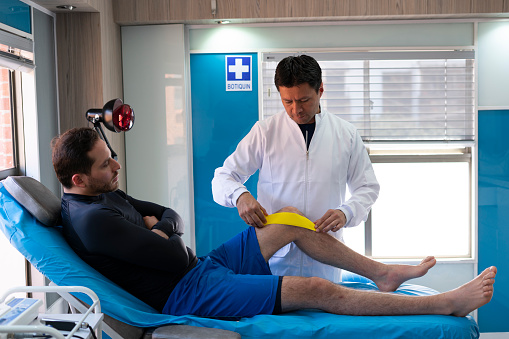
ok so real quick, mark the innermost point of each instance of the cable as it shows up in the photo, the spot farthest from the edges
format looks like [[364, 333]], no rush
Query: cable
[[92, 331], [68, 325]]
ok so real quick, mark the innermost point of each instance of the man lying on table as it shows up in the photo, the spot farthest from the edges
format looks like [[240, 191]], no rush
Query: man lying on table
[[138, 245]]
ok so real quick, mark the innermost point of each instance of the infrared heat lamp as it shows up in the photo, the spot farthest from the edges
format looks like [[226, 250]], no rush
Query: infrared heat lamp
[[115, 115]]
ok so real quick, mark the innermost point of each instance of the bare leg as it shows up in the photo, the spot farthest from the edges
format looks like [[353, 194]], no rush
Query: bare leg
[[301, 293], [328, 250]]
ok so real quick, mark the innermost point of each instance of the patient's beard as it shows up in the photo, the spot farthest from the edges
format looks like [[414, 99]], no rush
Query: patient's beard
[[99, 186]]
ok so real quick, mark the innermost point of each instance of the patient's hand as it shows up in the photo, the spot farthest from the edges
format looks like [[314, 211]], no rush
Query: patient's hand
[[150, 221], [291, 209]]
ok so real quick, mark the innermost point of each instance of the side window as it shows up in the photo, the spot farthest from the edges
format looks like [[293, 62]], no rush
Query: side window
[[16, 57], [12, 265], [8, 158], [424, 205]]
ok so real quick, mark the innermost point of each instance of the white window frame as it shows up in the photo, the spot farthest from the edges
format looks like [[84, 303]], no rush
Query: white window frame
[[17, 55], [432, 154], [18, 169], [17, 133], [20, 60]]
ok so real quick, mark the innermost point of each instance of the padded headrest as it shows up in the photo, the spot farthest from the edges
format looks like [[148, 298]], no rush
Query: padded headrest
[[36, 198]]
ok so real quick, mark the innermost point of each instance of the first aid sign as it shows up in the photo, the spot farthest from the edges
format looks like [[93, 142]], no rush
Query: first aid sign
[[238, 73]]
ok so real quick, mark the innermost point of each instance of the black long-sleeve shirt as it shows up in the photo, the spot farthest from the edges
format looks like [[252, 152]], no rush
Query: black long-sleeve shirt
[[108, 232]]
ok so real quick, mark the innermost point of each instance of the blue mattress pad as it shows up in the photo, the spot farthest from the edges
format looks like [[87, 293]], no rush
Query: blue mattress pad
[[46, 249]]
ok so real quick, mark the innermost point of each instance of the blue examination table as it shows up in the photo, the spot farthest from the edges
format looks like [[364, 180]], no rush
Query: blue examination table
[[47, 250]]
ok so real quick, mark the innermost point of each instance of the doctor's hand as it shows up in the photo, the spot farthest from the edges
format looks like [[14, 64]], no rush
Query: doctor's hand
[[332, 220], [250, 210]]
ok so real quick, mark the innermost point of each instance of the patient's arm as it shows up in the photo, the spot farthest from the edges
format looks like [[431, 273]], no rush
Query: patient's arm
[[106, 232], [169, 221]]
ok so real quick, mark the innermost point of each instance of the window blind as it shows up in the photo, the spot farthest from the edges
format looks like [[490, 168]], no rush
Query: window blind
[[16, 53], [392, 96]]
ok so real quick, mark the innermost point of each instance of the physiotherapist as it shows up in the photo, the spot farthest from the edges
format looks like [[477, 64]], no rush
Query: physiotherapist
[[307, 157]]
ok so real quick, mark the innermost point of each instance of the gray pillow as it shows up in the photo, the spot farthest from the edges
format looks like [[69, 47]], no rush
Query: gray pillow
[[36, 198]]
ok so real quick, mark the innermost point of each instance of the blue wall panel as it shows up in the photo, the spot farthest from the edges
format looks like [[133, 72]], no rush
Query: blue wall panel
[[220, 119], [16, 14], [494, 214]]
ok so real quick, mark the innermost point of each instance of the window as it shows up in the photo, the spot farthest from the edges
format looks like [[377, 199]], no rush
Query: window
[[7, 151], [12, 264], [415, 113], [423, 207], [16, 57]]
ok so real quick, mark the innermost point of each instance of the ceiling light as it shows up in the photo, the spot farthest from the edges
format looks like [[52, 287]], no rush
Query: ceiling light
[[223, 22], [67, 7]]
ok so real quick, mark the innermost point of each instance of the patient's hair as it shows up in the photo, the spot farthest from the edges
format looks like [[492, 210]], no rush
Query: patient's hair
[[296, 70], [70, 153]]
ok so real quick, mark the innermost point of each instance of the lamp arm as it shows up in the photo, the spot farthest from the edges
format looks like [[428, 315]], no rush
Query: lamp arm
[[98, 128]]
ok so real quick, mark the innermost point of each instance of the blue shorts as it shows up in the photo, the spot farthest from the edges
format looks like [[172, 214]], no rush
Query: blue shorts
[[232, 281]]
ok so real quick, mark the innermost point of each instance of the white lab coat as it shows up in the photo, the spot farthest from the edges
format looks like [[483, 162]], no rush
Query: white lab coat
[[313, 181]]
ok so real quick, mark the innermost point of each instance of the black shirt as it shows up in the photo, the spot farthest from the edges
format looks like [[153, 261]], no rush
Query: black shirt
[[307, 131], [108, 232]]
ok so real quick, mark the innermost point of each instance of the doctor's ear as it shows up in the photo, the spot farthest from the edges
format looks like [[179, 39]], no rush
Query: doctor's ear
[[78, 180]]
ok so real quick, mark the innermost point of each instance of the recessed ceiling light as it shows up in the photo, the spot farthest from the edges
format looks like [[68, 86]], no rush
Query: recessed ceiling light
[[67, 7]]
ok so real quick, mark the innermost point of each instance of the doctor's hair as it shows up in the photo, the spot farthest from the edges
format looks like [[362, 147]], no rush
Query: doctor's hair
[[296, 70], [69, 153]]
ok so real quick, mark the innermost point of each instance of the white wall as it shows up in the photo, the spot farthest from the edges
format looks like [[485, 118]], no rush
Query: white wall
[[251, 38], [46, 84], [493, 64], [157, 149]]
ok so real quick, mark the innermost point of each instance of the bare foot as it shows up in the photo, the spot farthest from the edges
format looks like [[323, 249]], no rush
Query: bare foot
[[397, 274], [474, 294]]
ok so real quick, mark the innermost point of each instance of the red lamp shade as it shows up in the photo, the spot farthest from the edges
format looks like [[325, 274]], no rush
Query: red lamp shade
[[115, 115], [123, 118]]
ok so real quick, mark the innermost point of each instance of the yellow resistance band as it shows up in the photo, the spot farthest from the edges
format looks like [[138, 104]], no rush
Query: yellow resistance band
[[293, 219]]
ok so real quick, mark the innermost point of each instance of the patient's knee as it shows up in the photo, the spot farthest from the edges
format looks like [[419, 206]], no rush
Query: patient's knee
[[317, 287], [290, 209]]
